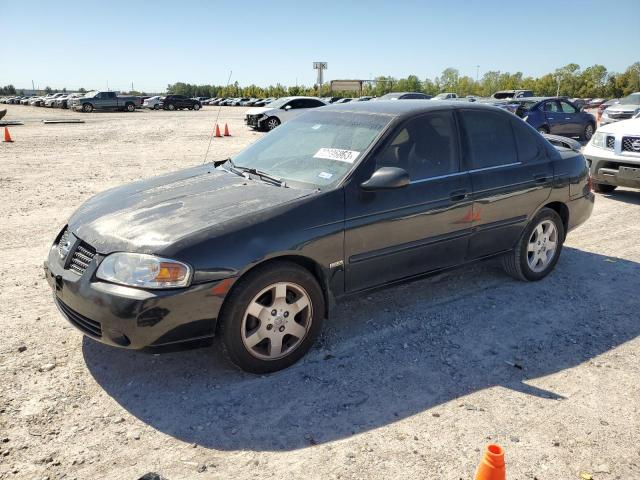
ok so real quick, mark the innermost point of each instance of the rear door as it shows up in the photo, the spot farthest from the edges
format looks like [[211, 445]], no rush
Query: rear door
[[571, 119], [511, 176], [398, 233], [110, 100], [553, 116]]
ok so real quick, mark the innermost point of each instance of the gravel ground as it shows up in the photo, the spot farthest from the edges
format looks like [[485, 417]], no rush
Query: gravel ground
[[408, 382]]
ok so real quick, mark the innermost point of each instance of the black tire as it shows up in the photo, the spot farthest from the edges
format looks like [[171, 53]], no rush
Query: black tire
[[516, 263], [196, 106], [156, 106], [271, 123], [130, 107], [235, 306], [543, 129], [87, 108], [603, 187], [171, 107], [588, 132]]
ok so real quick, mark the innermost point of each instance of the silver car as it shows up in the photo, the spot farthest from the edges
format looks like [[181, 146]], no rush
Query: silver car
[[625, 109]]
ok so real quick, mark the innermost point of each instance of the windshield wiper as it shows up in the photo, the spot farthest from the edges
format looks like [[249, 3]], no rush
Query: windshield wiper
[[259, 173]]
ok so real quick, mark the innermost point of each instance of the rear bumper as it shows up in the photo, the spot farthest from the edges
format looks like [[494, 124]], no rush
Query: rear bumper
[[130, 317], [580, 210]]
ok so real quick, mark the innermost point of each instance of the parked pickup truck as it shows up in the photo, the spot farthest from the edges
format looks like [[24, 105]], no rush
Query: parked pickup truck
[[105, 101]]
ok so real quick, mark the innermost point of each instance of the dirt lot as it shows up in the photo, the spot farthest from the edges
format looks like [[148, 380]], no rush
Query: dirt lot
[[410, 382]]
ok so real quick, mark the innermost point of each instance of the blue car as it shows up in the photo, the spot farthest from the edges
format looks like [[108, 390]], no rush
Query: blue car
[[557, 116]]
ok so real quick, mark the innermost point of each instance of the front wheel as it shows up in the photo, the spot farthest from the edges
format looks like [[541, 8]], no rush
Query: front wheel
[[272, 317], [87, 108], [272, 123], [538, 249], [543, 130], [196, 106], [156, 107], [171, 107], [603, 188]]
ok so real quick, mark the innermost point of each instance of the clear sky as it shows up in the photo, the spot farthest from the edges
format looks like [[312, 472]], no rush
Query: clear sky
[[89, 43]]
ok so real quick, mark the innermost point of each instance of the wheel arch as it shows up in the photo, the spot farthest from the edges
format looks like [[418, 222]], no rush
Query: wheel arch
[[562, 210], [312, 266]]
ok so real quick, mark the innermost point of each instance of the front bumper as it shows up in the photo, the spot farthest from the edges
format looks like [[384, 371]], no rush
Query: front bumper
[[611, 169], [255, 121], [131, 317]]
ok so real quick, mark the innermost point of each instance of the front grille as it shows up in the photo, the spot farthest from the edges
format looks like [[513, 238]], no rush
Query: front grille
[[620, 115], [84, 324], [81, 258], [631, 144], [611, 142]]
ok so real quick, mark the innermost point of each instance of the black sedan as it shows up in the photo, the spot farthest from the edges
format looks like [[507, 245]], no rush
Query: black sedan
[[342, 199], [179, 102]]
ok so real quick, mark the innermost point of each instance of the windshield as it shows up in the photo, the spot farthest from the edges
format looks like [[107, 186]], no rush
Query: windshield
[[633, 99], [280, 102], [317, 148], [441, 96]]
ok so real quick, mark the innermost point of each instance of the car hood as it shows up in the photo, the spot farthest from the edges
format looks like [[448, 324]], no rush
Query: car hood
[[624, 127], [257, 110], [150, 215], [623, 107]]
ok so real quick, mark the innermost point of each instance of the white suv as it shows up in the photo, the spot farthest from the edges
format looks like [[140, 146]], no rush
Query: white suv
[[614, 156], [279, 111]]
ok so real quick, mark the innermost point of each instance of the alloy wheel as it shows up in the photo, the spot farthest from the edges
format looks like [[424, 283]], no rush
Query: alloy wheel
[[272, 123], [276, 321], [542, 246], [588, 132]]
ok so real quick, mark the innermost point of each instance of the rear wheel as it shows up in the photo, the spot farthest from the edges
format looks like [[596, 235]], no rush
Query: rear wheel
[[171, 107], [156, 107], [272, 317], [588, 132], [543, 130], [130, 107], [87, 108], [603, 188], [271, 123], [196, 106], [538, 249]]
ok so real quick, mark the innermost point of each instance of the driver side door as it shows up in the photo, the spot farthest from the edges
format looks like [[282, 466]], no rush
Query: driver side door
[[424, 226]]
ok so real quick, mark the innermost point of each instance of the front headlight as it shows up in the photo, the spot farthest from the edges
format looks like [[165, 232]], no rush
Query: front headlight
[[144, 271], [599, 140]]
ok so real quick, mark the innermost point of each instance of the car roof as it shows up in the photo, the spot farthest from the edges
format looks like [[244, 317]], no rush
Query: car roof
[[406, 108]]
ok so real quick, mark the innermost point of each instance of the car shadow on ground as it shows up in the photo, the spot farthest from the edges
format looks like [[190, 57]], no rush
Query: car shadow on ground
[[386, 356], [628, 196]]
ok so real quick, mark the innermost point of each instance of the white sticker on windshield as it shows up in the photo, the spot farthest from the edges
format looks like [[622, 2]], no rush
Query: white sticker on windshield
[[325, 175], [338, 154]]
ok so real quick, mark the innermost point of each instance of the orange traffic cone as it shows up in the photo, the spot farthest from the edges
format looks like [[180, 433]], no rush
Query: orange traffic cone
[[226, 131], [7, 136], [217, 131], [492, 465]]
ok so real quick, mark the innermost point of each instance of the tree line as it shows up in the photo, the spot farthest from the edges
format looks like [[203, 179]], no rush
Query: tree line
[[570, 81]]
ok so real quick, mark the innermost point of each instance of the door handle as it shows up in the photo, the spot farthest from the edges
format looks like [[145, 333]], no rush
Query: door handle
[[541, 178], [552, 118], [458, 195]]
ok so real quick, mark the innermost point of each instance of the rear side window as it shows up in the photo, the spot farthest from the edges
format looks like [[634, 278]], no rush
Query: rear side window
[[489, 138], [526, 141]]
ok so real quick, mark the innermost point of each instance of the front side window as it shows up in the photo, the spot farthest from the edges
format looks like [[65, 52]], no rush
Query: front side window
[[316, 149], [489, 138], [424, 146]]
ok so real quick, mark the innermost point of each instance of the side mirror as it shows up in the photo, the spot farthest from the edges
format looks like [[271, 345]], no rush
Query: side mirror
[[387, 178], [287, 107]]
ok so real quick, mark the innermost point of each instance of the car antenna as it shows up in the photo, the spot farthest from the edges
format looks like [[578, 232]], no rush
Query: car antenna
[[217, 116]]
